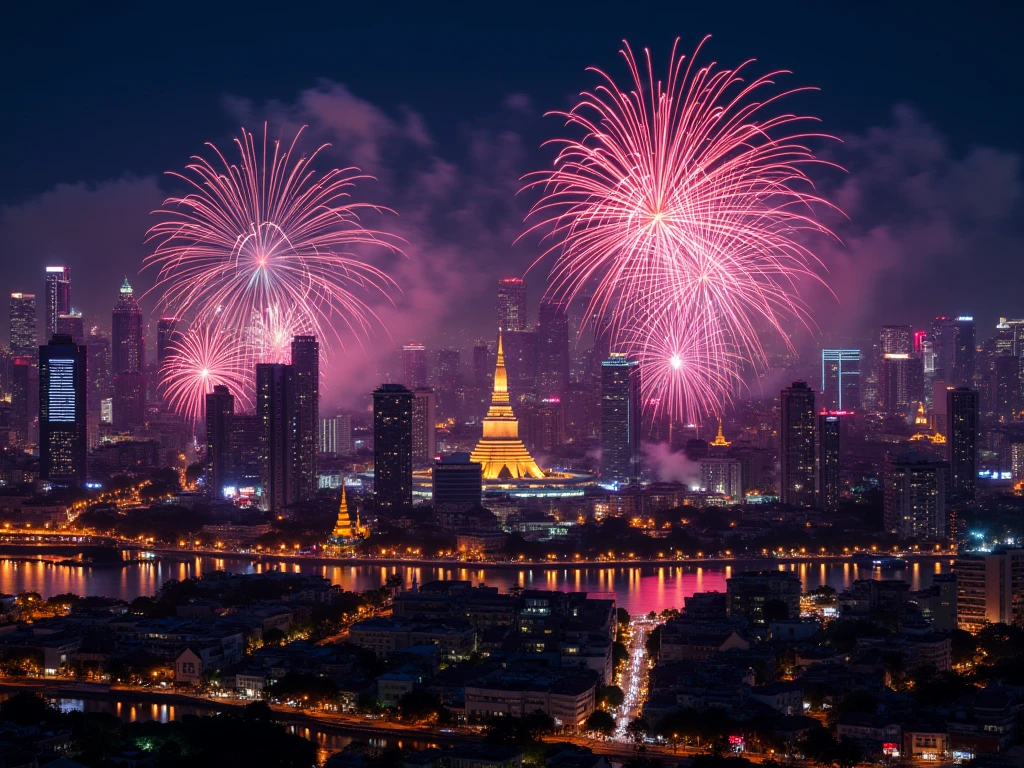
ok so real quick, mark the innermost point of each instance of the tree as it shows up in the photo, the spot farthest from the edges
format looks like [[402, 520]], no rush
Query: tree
[[622, 615], [610, 696], [637, 729], [27, 708], [620, 653], [818, 746], [273, 636], [601, 722], [418, 705], [653, 643], [774, 610]]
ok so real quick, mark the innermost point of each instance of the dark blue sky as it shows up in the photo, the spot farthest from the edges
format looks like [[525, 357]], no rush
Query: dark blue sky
[[92, 91], [442, 102]]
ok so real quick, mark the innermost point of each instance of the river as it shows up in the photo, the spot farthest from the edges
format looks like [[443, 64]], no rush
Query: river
[[638, 589]]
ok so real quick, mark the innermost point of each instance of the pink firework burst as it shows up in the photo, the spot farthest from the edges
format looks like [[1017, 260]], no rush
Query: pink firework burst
[[205, 356], [268, 235], [685, 201]]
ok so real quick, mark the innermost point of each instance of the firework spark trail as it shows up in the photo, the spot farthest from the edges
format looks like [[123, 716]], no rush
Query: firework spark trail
[[683, 206], [266, 247], [205, 356]]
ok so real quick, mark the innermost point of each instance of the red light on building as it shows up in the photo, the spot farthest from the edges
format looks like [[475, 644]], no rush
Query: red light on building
[[918, 338]]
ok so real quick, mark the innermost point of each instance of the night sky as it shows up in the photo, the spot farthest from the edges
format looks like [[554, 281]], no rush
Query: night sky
[[443, 103]]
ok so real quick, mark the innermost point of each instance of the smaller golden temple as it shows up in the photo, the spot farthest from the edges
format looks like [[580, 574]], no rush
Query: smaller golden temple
[[348, 525], [500, 452], [720, 441]]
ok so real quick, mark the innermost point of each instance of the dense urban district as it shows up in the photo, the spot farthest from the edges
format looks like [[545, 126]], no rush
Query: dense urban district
[[888, 452]]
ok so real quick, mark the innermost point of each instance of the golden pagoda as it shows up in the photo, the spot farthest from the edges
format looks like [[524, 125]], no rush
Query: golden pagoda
[[720, 441], [500, 452], [347, 526]]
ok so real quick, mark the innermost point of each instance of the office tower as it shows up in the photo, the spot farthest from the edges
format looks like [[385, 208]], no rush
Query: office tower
[[962, 412], [62, 413], [840, 379], [542, 425], [5, 371], [70, 324], [1005, 387], [128, 361], [722, 475], [167, 334], [620, 420], [553, 359], [275, 395], [482, 370], [424, 426], [220, 412], [748, 592], [989, 589], [246, 450], [58, 296], [328, 435], [343, 428], [449, 364], [895, 340], [458, 484], [500, 451], [23, 326], [414, 358], [520, 348], [392, 447], [796, 445], [580, 421], [829, 447], [21, 399], [100, 384], [915, 497], [900, 383], [306, 413], [954, 342], [511, 305], [1017, 462]]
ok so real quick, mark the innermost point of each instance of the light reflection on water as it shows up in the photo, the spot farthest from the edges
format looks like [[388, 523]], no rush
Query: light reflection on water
[[635, 588]]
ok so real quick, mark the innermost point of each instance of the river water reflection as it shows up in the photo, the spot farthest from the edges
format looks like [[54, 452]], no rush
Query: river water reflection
[[638, 589]]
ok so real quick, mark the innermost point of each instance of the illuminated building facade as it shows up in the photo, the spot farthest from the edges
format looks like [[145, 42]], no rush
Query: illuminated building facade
[[511, 304], [128, 361], [796, 445], [915, 498], [275, 384], [829, 447], [414, 360], [424, 426], [500, 452], [392, 447], [306, 415], [900, 382], [347, 528], [620, 419], [220, 411], [63, 438], [840, 379], [23, 325], [58, 297], [962, 416], [457, 483], [553, 360]]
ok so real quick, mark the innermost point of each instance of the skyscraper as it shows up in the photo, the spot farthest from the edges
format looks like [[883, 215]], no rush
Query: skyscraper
[[552, 351], [829, 447], [954, 345], [128, 361], [900, 382], [896, 340], [306, 408], [167, 333], [62, 412], [449, 364], [796, 445], [220, 411], [70, 324], [457, 484], [336, 435], [23, 326], [21, 395], [511, 304], [520, 349], [915, 498], [392, 447], [100, 384], [246, 450], [482, 370], [275, 388], [620, 419], [58, 296], [1005, 386], [962, 413], [414, 357], [424, 426], [840, 379]]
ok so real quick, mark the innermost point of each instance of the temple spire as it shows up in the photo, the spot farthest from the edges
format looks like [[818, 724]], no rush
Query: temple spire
[[720, 441]]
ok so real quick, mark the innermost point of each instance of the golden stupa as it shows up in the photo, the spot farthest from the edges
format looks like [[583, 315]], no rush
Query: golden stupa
[[500, 452], [720, 441], [347, 526]]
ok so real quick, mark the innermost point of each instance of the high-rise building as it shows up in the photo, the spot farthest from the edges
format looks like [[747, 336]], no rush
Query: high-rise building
[[520, 349], [1005, 387], [722, 475], [392, 447], [829, 447], [21, 396], [100, 384], [962, 416], [70, 324], [500, 451], [128, 360], [246, 450], [840, 379], [449, 369], [24, 342], [220, 412], [990, 589], [1017, 462], [414, 359], [796, 445], [511, 305], [542, 425], [306, 413], [748, 592], [336, 435], [458, 483], [915, 498], [620, 419], [954, 345], [424, 426], [275, 395], [896, 340], [58, 296], [63, 434], [482, 370], [900, 382], [553, 361], [167, 334]]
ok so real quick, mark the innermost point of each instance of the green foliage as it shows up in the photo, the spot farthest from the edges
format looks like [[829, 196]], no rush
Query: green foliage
[[306, 688], [27, 708], [620, 654], [653, 643], [601, 722], [610, 696], [418, 705]]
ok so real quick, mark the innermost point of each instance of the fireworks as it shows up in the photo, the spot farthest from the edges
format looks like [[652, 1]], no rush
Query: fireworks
[[682, 210], [269, 249], [206, 356]]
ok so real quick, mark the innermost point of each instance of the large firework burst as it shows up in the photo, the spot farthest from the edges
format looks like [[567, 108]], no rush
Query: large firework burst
[[683, 210]]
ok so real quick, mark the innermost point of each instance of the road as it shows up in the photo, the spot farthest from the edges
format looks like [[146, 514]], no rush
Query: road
[[634, 676]]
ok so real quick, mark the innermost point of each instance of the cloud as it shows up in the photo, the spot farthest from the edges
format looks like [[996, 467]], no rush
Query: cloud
[[671, 466]]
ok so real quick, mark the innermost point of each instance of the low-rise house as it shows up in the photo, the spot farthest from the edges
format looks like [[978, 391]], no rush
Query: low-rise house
[[787, 698], [568, 700], [392, 686], [925, 742], [188, 668]]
